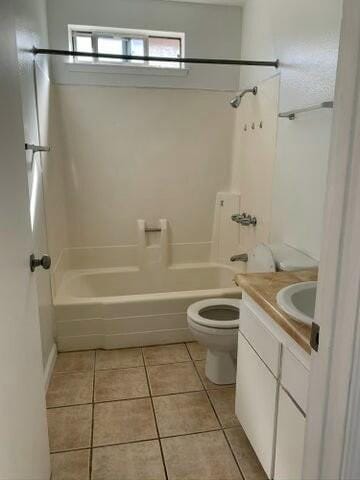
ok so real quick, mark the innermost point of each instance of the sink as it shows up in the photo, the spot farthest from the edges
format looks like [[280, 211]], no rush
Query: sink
[[298, 301]]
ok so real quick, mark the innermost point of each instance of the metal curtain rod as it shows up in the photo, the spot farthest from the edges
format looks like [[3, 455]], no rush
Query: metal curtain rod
[[212, 61], [292, 114]]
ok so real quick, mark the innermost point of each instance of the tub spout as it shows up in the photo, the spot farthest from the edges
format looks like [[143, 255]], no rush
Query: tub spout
[[243, 257]]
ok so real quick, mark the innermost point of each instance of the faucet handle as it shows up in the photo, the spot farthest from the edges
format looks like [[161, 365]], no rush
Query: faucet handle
[[248, 220], [238, 217]]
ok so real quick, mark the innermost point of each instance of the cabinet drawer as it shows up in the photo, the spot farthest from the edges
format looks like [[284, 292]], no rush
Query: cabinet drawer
[[266, 345], [295, 378]]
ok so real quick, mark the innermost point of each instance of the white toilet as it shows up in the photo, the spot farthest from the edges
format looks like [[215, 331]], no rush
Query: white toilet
[[214, 322]]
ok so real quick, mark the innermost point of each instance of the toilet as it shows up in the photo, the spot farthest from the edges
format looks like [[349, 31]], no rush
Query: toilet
[[214, 323]]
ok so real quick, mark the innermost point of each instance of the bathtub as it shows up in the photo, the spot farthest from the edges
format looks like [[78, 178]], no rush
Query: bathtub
[[128, 306]]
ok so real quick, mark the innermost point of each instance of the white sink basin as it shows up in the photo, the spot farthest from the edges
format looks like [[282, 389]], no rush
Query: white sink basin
[[298, 301]]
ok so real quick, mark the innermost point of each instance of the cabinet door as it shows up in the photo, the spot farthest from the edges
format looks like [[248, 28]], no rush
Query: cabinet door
[[290, 440], [256, 399]]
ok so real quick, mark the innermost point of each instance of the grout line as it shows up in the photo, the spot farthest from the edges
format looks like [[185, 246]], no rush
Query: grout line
[[137, 441], [69, 406], [124, 399], [92, 420], [191, 433], [156, 423], [233, 454], [123, 348], [222, 429], [80, 449], [167, 363], [155, 438], [74, 372]]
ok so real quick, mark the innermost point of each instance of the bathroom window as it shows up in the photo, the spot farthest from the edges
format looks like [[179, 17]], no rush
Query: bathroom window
[[127, 42]]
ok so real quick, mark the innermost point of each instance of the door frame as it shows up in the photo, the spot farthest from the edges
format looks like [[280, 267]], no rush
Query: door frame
[[333, 425]]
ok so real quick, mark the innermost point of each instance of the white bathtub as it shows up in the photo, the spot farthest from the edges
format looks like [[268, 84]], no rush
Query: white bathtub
[[127, 306]]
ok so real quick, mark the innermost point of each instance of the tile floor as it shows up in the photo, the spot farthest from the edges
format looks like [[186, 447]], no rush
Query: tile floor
[[144, 414]]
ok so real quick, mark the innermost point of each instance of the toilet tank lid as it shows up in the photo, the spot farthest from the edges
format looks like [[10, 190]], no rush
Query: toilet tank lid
[[288, 258]]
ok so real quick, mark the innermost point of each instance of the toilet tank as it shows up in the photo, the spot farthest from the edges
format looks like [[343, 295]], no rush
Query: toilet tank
[[289, 259], [278, 257]]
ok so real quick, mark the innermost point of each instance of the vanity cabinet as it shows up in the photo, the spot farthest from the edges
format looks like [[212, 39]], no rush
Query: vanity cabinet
[[289, 439], [271, 392], [256, 400]]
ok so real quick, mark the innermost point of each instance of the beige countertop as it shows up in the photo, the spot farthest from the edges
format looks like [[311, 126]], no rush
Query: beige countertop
[[263, 288]]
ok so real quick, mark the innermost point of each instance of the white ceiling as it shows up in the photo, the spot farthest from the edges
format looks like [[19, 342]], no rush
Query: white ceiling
[[237, 3]]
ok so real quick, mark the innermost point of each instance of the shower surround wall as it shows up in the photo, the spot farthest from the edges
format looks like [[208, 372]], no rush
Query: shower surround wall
[[143, 154], [253, 163], [161, 150]]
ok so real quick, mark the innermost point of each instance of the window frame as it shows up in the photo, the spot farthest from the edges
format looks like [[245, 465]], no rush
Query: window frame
[[125, 34]]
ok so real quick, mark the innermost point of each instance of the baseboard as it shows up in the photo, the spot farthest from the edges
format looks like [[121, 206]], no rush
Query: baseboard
[[50, 365]]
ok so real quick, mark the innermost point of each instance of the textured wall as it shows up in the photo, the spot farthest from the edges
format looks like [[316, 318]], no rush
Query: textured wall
[[304, 35]]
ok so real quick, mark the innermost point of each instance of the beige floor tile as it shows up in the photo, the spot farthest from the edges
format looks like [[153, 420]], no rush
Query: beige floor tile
[[224, 404], [164, 354], [69, 427], [176, 378], [123, 422], [209, 385], [74, 362], [184, 413], [197, 351], [135, 461], [70, 389], [203, 456], [124, 358], [70, 465], [120, 384], [245, 455]]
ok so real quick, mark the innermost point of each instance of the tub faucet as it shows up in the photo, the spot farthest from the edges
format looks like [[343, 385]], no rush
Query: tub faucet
[[243, 257], [244, 219]]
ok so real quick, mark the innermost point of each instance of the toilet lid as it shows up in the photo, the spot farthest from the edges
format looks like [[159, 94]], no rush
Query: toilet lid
[[216, 313]]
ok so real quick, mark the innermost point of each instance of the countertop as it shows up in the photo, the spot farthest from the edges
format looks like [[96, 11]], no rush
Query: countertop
[[263, 288]]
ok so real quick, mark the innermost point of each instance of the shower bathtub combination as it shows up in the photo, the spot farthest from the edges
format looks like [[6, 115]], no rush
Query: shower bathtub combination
[[110, 297]]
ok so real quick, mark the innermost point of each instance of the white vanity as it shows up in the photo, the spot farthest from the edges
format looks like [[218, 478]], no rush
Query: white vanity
[[273, 366]]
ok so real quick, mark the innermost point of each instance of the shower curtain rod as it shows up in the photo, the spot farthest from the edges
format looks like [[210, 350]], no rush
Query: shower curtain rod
[[210, 61]]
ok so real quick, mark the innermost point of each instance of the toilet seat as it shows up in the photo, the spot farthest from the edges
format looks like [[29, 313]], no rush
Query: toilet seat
[[194, 313]]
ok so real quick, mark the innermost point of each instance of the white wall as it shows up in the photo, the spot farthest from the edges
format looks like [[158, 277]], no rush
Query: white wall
[[304, 35], [211, 31], [143, 153], [31, 29]]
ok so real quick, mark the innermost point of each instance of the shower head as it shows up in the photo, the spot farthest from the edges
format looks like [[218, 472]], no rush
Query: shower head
[[235, 102]]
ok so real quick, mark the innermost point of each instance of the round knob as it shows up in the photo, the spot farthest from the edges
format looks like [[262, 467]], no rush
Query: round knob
[[44, 261]]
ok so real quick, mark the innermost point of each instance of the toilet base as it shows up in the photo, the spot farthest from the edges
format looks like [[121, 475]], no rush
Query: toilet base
[[220, 367]]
